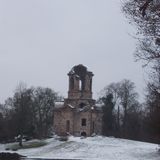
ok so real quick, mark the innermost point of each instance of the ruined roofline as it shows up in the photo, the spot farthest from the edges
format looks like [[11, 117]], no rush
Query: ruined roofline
[[74, 70]]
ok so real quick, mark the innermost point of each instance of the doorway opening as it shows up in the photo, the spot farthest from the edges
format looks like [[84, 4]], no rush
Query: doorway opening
[[83, 134]]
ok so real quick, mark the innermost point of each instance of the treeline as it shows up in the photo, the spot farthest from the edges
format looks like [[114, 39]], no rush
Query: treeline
[[29, 112], [145, 15], [125, 117]]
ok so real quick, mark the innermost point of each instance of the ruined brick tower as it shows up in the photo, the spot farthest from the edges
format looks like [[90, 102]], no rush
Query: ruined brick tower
[[78, 115]]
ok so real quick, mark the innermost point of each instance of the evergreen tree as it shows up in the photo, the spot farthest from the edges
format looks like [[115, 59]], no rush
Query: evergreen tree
[[108, 117]]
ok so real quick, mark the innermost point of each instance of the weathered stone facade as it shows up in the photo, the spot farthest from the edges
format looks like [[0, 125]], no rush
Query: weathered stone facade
[[78, 115]]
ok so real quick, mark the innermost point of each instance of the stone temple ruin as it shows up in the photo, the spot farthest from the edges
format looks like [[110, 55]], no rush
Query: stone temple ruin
[[78, 115]]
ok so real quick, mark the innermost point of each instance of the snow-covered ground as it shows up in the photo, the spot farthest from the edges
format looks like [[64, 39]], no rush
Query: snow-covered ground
[[102, 148]]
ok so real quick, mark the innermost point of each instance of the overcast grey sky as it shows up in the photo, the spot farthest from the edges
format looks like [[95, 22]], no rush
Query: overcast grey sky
[[41, 40]]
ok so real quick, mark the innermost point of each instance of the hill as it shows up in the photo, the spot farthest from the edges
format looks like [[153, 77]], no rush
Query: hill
[[103, 148]]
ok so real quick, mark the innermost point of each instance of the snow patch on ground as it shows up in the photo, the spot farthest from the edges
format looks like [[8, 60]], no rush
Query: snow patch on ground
[[102, 148]]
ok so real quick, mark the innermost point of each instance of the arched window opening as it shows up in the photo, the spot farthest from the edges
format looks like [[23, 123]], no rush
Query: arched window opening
[[80, 85], [72, 83]]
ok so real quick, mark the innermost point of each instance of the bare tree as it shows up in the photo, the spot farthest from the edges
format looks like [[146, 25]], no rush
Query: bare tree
[[128, 98], [145, 14], [44, 99], [22, 103], [120, 103]]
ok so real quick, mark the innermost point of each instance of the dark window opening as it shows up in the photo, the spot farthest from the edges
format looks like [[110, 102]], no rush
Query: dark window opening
[[81, 105], [91, 85], [83, 122], [67, 126], [93, 126]]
